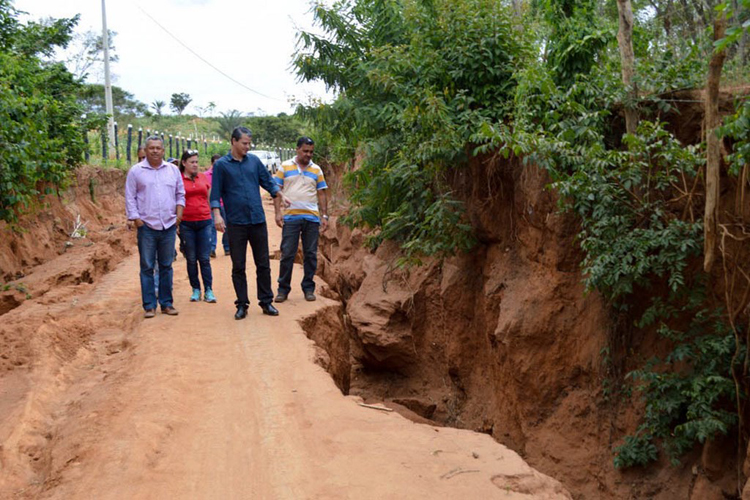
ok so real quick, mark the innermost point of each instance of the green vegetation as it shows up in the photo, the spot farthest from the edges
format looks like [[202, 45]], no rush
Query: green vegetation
[[425, 86], [179, 101], [685, 393], [415, 80], [123, 102], [40, 136]]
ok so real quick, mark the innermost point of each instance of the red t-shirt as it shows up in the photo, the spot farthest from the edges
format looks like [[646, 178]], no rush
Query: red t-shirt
[[196, 198]]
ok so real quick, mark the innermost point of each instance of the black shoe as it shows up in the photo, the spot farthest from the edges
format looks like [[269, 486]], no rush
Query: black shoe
[[309, 296], [213, 254], [269, 309], [281, 297], [241, 312]]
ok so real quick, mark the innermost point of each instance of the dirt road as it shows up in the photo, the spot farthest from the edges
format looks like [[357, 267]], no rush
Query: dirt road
[[203, 406]]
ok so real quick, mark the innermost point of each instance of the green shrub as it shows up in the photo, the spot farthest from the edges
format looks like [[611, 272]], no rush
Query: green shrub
[[41, 138]]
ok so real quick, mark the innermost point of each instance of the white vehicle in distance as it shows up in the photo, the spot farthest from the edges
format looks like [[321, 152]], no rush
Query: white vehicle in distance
[[269, 159]]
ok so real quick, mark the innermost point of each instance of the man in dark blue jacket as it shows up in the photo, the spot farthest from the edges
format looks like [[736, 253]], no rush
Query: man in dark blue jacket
[[237, 179]]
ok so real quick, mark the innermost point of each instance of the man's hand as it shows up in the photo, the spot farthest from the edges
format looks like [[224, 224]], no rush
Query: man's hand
[[323, 223], [177, 223], [219, 223], [286, 201], [135, 222], [279, 219]]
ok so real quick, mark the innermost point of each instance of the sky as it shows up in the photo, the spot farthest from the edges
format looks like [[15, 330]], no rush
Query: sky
[[251, 41]]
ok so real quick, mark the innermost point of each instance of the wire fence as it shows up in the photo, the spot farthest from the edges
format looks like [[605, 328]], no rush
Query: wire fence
[[128, 142]]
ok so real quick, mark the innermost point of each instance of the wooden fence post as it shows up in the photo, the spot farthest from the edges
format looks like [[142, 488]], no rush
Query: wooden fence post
[[117, 144], [86, 153], [130, 143], [104, 144], [140, 137]]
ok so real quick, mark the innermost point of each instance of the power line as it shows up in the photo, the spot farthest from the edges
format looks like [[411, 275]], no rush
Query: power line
[[202, 59]]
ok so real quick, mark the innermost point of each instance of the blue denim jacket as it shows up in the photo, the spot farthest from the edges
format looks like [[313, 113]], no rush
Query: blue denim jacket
[[238, 183]]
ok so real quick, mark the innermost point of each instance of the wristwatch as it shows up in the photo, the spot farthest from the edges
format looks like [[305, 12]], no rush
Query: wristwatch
[[325, 217]]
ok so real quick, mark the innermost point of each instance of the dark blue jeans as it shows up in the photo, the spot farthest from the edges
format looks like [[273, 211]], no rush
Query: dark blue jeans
[[224, 238], [290, 236], [196, 235], [156, 246]]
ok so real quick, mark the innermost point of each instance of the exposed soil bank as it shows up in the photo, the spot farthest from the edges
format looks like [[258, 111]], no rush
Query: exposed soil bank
[[46, 320], [95, 195], [502, 340], [94, 201]]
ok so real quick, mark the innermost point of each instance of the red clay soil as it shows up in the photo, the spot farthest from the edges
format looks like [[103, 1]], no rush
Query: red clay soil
[[96, 402], [40, 261], [503, 340]]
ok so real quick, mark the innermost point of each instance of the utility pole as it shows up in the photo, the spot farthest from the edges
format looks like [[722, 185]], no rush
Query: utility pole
[[107, 81]]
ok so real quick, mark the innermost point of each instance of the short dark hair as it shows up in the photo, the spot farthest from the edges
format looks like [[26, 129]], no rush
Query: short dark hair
[[238, 132], [188, 153], [215, 157], [302, 141]]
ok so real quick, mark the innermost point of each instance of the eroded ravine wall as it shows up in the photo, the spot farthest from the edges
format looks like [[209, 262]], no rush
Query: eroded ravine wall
[[502, 340]]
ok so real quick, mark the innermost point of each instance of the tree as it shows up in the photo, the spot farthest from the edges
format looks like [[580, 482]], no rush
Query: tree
[[87, 49], [157, 106], [227, 122], [415, 80], [179, 102], [281, 130], [40, 116], [208, 109], [627, 58], [713, 146], [91, 97]]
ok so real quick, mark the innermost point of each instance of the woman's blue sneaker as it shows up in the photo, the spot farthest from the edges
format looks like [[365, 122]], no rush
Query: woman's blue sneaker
[[196, 295], [209, 296]]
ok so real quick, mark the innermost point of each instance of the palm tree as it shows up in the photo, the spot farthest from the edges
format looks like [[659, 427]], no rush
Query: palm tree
[[227, 122], [158, 105]]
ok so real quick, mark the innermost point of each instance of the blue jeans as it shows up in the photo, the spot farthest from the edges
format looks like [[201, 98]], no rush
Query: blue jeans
[[290, 236], [196, 235], [156, 246], [224, 238]]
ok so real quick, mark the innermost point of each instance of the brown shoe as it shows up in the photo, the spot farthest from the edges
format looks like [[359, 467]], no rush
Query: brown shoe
[[170, 311], [150, 313]]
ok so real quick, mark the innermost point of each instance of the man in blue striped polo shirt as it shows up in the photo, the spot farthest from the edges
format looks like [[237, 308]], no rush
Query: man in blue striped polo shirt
[[303, 184]]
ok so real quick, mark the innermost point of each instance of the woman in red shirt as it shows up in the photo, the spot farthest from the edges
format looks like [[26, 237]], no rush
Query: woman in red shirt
[[195, 228]]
